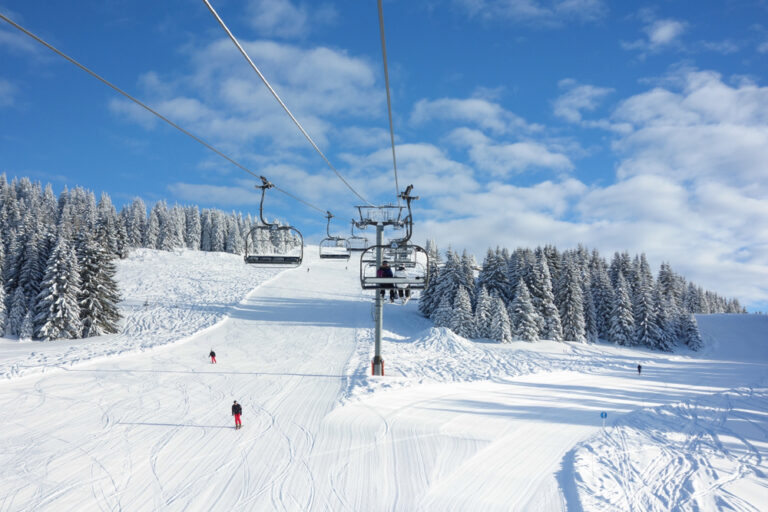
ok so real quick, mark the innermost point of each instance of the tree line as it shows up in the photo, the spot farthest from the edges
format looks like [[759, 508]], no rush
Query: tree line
[[57, 270], [576, 295]]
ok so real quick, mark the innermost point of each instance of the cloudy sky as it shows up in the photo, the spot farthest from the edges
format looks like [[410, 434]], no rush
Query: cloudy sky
[[619, 125]]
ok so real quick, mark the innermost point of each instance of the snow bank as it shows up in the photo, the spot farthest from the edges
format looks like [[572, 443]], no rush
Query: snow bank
[[167, 297], [706, 454]]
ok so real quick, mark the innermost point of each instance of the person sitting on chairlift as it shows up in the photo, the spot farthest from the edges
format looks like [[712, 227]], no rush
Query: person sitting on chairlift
[[386, 271], [402, 289]]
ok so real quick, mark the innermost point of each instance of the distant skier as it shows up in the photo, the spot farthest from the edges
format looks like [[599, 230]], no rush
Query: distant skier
[[639, 369], [236, 412], [212, 355], [386, 271]]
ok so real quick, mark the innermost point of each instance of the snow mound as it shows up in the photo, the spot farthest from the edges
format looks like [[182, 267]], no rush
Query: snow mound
[[705, 454]]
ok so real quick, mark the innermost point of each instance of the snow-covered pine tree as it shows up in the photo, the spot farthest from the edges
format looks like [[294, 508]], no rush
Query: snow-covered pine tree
[[218, 231], [428, 300], [3, 309], [462, 322], [647, 333], [691, 334], [18, 308], [493, 275], [106, 224], [468, 265], [622, 319], [501, 329], [27, 329], [235, 243], [57, 310], [571, 302], [193, 227], [98, 295], [171, 227], [590, 314], [135, 221], [482, 314], [152, 230], [443, 314], [666, 312], [602, 298], [524, 317], [452, 276]]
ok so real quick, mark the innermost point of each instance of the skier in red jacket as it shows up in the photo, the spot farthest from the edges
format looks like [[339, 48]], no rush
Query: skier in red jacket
[[236, 412]]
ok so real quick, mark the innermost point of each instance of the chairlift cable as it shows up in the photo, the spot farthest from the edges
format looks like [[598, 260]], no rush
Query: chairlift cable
[[389, 100], [282, 104], [149, 109]]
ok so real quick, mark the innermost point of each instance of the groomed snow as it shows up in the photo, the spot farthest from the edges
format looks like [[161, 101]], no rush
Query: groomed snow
[[454, 424]]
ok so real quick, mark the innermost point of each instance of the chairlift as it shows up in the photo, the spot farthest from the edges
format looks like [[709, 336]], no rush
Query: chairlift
[[333, 247], [357, 243], [270, 244], [409, 262]]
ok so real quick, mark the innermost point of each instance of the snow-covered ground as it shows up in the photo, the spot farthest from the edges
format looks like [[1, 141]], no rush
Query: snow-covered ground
[[454, 424]]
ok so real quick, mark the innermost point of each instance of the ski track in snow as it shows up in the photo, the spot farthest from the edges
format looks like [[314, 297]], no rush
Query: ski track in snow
[[454, 424]]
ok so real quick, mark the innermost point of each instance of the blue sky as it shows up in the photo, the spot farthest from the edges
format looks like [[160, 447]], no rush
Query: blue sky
[[620, 125]]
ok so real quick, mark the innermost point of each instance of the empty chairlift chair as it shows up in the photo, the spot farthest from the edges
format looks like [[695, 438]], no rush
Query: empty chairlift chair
[[272, 245], [357, 243], [333, 247]]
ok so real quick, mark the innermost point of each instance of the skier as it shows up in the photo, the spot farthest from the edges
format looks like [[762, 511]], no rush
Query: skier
[[386, 271], [212, 355], [236, 412], [639, 369]]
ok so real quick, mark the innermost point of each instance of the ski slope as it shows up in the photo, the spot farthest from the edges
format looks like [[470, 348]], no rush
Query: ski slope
[[141, 420]]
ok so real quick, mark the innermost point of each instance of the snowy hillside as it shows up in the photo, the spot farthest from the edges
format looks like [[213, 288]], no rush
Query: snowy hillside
[[453, 425]]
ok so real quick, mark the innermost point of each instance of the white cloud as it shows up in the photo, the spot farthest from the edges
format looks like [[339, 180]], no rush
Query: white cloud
[[502, 159], [578, 98], [545, 13], [763, 47], [708, 129], [660, 34], [485, 114], [224, 102], [281, 18]]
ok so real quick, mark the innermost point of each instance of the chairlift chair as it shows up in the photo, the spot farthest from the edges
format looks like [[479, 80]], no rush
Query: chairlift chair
[[357, 243], [333, 247], [410, 261], [272, 245]]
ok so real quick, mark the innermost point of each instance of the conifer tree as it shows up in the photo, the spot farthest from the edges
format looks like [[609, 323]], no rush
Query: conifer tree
[[493, 275], [572, 305], [3, 309], [646, 328], [691, 334], [666, 312], [98, 295], [442, 315], [524, 318], [482, 316], [17, 311], [501, 329], [622, 319], [57, 310], [462, 321], [193, 227], [27, 329], [602, 298], [590, 314]]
